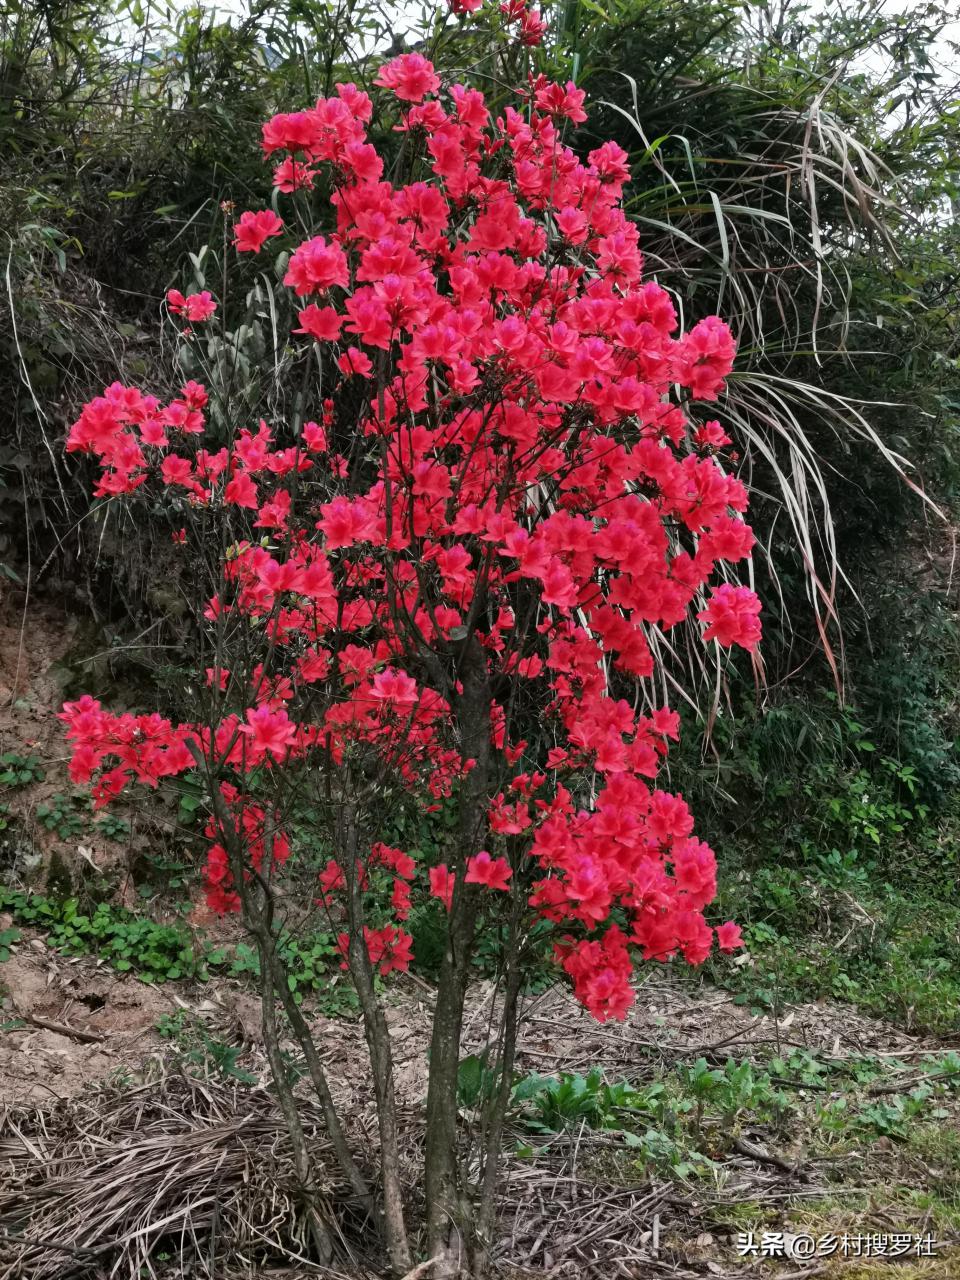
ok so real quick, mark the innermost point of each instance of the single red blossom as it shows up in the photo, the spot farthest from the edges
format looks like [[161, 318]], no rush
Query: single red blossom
[[270, 733], [711, 436], [556, 100], [195, 307], [442, 881], [321, 323], [729, 937], [532, 27], [314, 437], [291, 175], [495, 873], [400, 899], [241, 491], [353, 361], [332, 878], [315, 266], [411, 77], [254, 229]]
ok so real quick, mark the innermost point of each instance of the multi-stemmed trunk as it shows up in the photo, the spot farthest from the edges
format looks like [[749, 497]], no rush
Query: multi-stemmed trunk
[[458, 1221], [450, 1229], [380, 1049]]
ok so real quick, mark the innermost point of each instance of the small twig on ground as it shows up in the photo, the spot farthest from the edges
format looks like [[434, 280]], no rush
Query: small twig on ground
[[61, 1028], [763, 1157], [54, 1246], [422, 1268], [900, 1086]]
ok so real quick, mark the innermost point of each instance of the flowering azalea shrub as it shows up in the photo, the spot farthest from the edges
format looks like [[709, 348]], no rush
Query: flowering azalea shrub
[[445, 583]]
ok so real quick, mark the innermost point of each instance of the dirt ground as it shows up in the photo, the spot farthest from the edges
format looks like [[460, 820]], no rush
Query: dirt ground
[[565, 1214], [107, 1025], [36, 647]]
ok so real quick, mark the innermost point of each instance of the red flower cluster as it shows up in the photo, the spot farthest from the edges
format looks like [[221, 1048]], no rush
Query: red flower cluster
[[195, 307], [248, 825], [526, 481], [389, 948], [531, 27], [254, 229], [141, 748]]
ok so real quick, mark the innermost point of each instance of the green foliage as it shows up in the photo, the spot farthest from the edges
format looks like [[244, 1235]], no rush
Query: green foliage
[[476, 1082], [549, 1104], [163, 873], [67, 816], [18, 770], [112, 826], [649, 1121], [7, 938], [308, 962], [427, 925], [198, 1053], [427, 835], [736, 1088], [850, 928], [684, 1121], [70, 816], [155, 952], [661, 1125], [191, 795], [837, 831]]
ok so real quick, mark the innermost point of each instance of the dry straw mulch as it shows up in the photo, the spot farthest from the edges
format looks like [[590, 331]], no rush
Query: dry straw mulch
[[182, 1177], [119, 1181]]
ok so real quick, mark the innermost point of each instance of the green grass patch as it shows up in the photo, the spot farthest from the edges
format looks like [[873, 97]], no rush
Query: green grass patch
[[155, 952]]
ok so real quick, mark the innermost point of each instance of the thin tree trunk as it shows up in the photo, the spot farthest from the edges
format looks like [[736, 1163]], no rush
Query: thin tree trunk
[[449, 1225], [261, 930], [318, 1076], [492, 1137], [288, 1107], [381, 1053]]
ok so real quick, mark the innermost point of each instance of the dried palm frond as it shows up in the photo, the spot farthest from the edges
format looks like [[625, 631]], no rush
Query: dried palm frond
[[200, 1170]]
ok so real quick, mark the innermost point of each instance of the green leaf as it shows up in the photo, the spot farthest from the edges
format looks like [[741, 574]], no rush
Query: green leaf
[[469, 1081], [530, 1086]]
